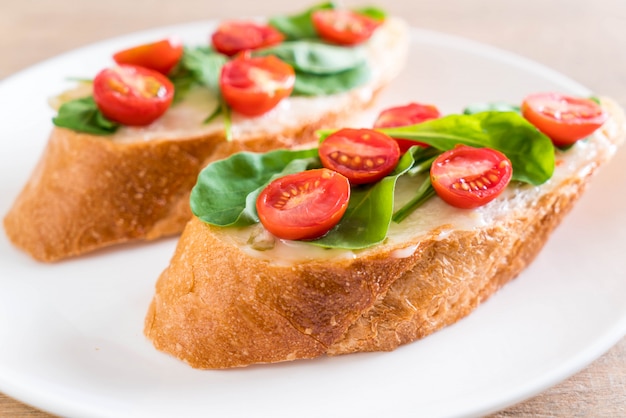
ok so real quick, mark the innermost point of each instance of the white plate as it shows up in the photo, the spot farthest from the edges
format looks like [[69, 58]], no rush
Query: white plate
[[71, 333]]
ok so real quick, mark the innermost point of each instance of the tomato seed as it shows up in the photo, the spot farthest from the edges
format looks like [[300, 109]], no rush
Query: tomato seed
[[118, 86]]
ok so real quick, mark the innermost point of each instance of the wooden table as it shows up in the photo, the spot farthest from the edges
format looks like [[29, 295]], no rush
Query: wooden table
[[584, 39]]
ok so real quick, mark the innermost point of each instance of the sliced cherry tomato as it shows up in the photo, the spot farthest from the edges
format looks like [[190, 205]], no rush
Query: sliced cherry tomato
[[468, 177], [406, 115], [344, 27], [255, 85], [132, 95], [304, 205], [233, 36], [564, 119], [362, 155], [160, 56]]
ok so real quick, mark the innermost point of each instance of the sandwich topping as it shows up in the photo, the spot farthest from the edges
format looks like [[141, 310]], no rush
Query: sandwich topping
[[247, 69], [467, 160]]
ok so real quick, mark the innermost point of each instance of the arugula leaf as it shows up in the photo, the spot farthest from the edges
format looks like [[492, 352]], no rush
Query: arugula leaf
[[299, 26], [226, 190], [83, 115], [369, 213], [531, 152]]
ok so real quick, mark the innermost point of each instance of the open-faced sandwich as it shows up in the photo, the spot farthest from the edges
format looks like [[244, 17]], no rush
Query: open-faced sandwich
[[128, 145], [360, 245]]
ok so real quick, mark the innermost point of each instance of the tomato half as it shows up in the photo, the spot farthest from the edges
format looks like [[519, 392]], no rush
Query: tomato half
[[564, 119], [362, 155], [160, 56], [410, 114], [343, 27], [232, 37], [255, 85], [304, 205], [132, 95], [468, 177]]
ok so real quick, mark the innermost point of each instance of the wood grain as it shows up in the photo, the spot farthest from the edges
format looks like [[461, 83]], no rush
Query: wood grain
[[585, 40]]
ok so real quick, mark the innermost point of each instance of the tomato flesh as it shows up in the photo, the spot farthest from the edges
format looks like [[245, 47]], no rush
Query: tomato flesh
[[343, 27], [362, 155], [132, 95], [468, 177], [410, 114], [232, 37], [254, 85], [160, 56], [305, 205], [564, 119]]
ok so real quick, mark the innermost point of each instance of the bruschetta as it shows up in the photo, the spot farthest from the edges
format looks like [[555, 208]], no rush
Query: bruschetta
[[128, 145], [274, 276]]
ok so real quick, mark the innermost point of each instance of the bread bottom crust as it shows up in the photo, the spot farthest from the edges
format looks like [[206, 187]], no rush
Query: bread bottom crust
[[216, 307]]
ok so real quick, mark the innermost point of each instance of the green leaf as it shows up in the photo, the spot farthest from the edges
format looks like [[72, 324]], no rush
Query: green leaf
[[531, 152], [316, 57], [369, 213], [226, 190], [324, 85], [199, 65], [299, 26], [372, 12], [424, 192], [83, 115], [491, 106]]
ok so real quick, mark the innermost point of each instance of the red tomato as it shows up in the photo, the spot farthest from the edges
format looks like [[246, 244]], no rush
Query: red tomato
[[343, 27], [468, 177], [362, 155], [304, 205], [406, 115], [132, 95], [563, 118], [255, 85], [233, 37], [160, 56]]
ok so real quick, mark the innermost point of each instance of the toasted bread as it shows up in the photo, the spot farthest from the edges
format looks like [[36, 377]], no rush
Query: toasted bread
[[89, 192], [221, 303]]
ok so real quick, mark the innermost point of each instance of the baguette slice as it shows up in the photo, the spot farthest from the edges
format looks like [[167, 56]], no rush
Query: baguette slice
[[89, 192], [222, 304]]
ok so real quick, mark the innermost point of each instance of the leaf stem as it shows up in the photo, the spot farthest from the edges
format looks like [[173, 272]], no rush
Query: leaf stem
[[424, 193]]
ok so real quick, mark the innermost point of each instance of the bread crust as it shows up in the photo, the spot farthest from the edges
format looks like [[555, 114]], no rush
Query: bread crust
[[87, 192], [216, 306]]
